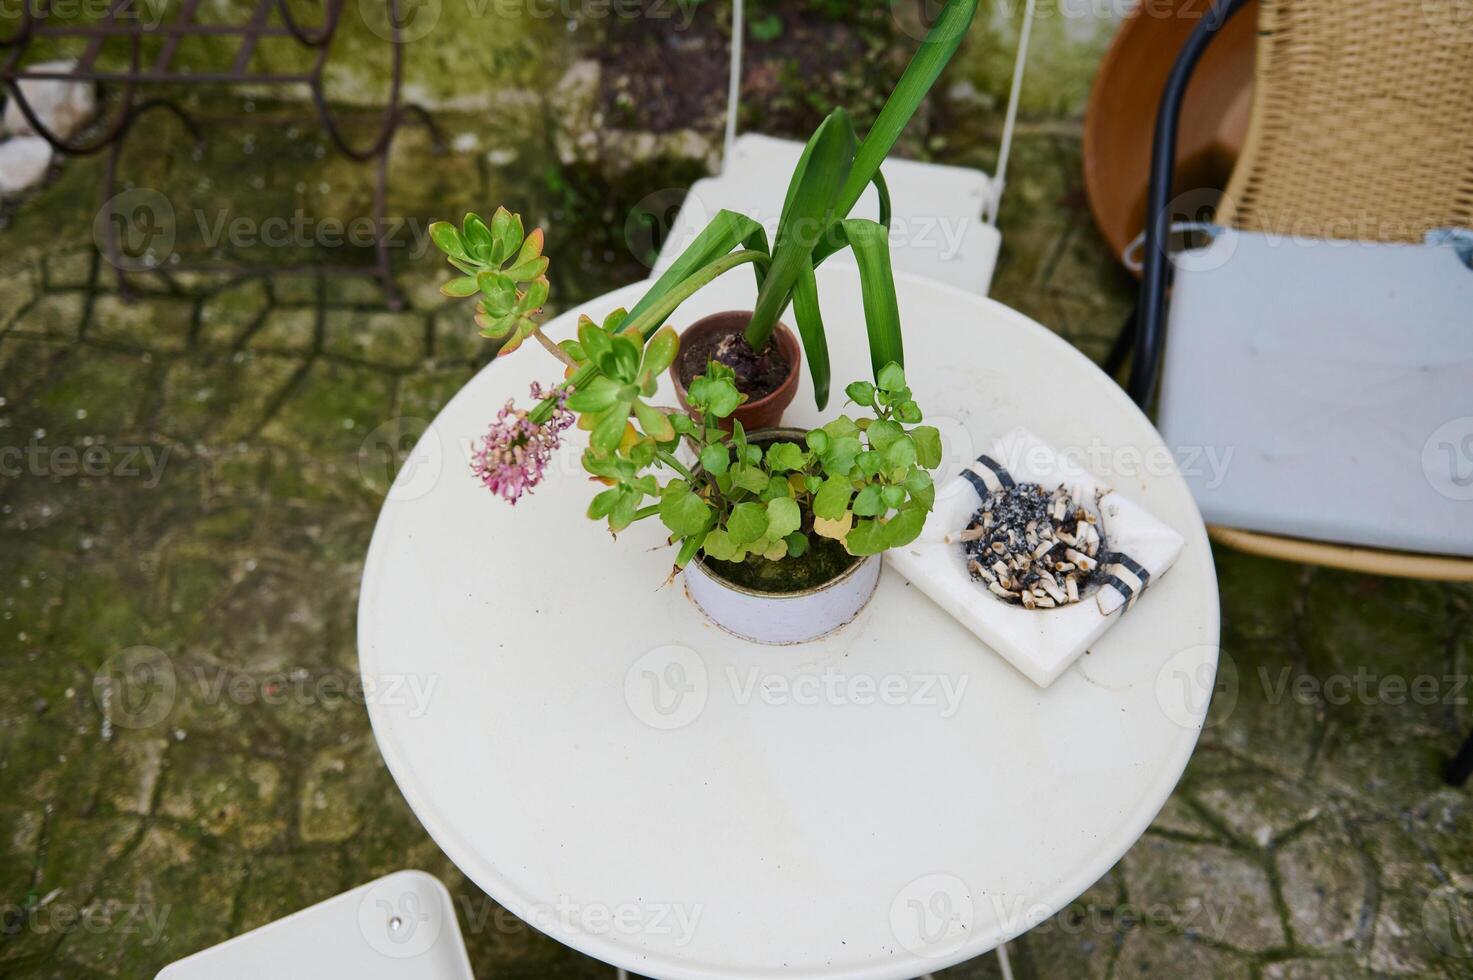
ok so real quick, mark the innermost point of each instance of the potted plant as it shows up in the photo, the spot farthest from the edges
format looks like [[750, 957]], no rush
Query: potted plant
[[779, 530]]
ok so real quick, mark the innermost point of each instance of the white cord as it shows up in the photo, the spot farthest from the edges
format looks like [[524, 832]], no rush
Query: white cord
[[1000, 179], [1004, 962], [734, 85]]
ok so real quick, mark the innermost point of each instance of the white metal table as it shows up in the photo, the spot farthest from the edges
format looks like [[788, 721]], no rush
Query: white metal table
[[883, 803]]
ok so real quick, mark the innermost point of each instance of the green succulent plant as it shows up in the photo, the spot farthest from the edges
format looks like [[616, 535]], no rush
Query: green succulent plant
[[504, 267]]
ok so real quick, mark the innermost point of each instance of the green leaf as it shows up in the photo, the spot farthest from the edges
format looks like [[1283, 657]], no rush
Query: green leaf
[[655, 423], [891, 377], [871, 245], [688, 549], [893, 496], [841, 455], [869, 462], [718, 545], [810, 327], [500, 292], [624, 510], [784, 456], [882, 433], [747, 523], [928, 445], [460, 288], [600, 506], [477, 238], [621, 361], [719, 397], [818, 441], [610, 429], [901, 454], [716, 459], [940, 44], [861, 393], [797, 544], [749, 478], [527, 271], [725, 232], [905, 527], [908, 412], [783, 517], [776, 487], [683, 512], [447, 239], [840, 427], [531, 248], [820, 172], [866, 538], [506, 235], [531, 301], [660, 352], [869, 502], [597, 396], [832, 499], [596, 343]]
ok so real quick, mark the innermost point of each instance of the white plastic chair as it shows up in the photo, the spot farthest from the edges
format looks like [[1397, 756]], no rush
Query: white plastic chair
[[944, 220], [400, 927]]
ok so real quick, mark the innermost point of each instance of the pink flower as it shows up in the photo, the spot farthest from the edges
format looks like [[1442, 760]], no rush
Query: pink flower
[[515, 452]]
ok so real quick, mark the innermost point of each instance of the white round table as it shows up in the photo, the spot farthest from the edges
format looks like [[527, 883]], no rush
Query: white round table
[[650, 790]]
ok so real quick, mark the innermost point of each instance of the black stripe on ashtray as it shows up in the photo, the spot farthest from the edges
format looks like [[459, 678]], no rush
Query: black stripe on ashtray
[[977, 484], [1134, 567], [1003, 476]]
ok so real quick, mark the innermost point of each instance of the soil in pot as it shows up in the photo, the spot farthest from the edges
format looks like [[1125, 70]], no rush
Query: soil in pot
[[824, 561], [758, 373]]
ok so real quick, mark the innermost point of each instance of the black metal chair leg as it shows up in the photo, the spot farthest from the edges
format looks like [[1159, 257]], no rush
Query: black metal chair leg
[[1120, 350], [1461, 766]]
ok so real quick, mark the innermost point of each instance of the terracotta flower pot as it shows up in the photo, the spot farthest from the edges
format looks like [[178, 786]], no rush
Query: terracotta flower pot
[[757, 413]]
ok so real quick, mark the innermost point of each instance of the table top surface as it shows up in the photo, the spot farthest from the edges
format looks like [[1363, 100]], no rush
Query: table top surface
[[881, 803]]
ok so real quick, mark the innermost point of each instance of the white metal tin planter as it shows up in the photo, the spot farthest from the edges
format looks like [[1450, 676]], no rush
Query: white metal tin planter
[[783, 617]]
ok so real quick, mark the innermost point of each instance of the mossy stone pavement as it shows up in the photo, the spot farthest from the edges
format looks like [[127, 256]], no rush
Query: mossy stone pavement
[[191, 480]]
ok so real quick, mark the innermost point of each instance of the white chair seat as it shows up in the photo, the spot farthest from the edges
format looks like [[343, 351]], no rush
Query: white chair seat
[[1324, 389], [936, 228], [400, 927]]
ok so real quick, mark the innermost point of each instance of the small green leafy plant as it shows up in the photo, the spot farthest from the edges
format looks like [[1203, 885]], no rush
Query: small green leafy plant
[[864, 483]]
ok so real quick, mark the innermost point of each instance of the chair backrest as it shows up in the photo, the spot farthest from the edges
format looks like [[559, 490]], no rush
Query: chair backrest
[[1362, 122]]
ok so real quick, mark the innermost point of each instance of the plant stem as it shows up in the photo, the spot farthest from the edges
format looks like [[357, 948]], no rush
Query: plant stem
[[675, 464], [553, 348]]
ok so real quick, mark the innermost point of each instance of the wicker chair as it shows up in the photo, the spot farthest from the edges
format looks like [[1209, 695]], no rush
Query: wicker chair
[[1361, 128]]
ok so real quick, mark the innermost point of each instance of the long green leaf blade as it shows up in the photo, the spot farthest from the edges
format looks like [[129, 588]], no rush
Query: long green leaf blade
[[936, 50], [871, 244], [725, 232], [826, 161], [810, 328], [834, 239]]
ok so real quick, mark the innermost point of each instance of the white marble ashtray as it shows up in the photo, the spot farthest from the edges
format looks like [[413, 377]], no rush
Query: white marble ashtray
[[1137, 550]]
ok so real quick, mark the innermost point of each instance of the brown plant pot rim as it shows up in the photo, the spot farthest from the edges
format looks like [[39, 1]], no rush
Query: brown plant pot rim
[[758, 413]]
